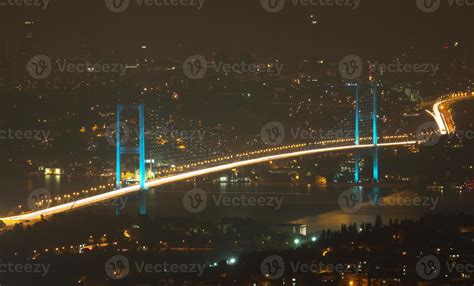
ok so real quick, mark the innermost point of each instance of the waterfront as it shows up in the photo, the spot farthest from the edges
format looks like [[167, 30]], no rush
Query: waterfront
[[317, 207]]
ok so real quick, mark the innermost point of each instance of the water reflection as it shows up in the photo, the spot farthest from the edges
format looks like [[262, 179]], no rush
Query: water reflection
[[315, 206]]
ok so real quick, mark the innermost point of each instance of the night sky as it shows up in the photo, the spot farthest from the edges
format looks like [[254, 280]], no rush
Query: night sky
[[377, 28]]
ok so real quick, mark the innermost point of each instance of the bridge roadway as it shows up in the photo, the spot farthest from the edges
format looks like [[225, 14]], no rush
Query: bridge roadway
[[441, 114], [27, 217], [36, 215]]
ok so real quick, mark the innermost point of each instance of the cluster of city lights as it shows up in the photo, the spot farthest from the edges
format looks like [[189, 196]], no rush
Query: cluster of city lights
[[45, 203], [273, 149]]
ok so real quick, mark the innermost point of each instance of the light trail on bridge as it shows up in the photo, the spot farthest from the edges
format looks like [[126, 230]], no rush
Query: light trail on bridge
[[438, 106], [36, 215], [96, 199]]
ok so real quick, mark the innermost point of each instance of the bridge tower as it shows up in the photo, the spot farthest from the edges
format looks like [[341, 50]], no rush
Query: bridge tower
[[371, 116], [375, 134], [140, 150], [356, 136]]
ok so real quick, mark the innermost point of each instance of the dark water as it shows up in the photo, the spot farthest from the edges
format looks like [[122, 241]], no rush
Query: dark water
[[317, 207], [15, 190]]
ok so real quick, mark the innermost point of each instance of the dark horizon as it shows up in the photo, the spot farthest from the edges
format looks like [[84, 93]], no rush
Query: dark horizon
[[375, 29]]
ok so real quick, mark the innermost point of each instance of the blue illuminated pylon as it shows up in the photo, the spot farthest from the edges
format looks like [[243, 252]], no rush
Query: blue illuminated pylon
[[372, 117], [140, 150], [357, 140], [375, 139]]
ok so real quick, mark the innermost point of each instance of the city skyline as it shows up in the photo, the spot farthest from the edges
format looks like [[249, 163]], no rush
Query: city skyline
[[236, 143]]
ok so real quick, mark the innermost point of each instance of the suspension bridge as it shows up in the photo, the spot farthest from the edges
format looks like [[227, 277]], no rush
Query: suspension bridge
[[363, 116]]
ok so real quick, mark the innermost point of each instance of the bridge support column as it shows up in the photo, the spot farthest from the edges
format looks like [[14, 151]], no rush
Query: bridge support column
[[141, 114], [140, 150], [118, 152], [356, 138], [375, 139]]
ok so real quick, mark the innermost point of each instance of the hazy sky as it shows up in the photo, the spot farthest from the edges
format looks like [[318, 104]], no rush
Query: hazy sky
[[376, 27]]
